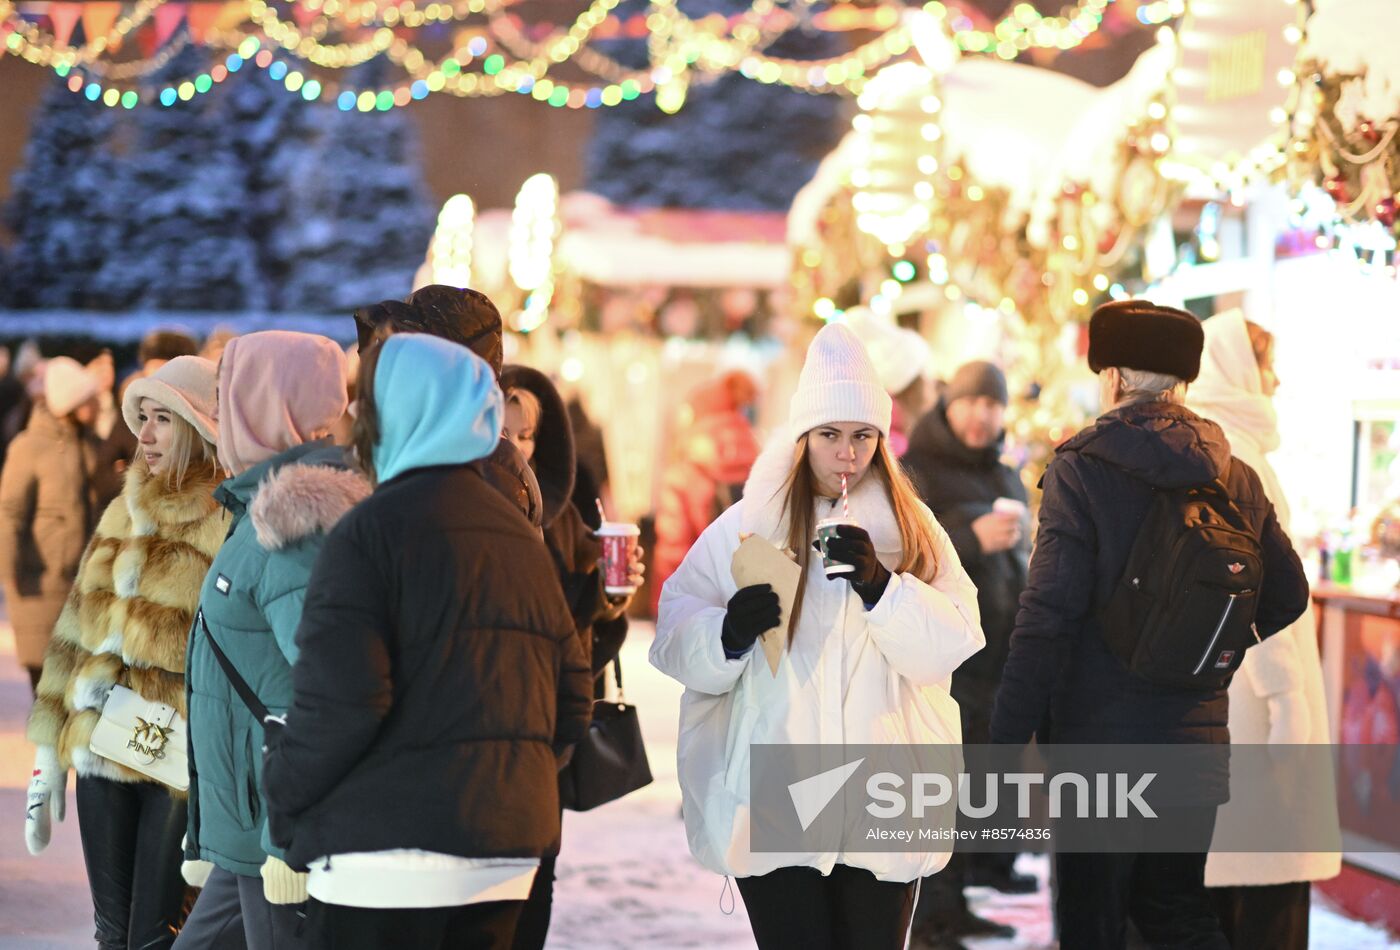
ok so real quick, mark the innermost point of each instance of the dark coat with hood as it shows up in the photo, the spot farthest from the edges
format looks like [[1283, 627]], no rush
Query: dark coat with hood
[[1061, 681], [601, 625], [440, 680], [959, 484]]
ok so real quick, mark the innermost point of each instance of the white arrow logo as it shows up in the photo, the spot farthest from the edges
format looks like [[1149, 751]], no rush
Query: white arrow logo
[[811, 795]]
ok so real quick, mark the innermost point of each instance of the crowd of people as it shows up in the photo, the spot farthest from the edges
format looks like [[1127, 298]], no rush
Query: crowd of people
[[361, 603]]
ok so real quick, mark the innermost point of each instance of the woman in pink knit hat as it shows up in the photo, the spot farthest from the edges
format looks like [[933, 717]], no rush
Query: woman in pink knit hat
[[875, 628]]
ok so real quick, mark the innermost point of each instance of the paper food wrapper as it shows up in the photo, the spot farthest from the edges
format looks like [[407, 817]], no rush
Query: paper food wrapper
[[758, 562]]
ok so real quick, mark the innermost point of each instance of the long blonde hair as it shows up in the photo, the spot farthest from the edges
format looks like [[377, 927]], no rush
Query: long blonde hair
[[916, 539]]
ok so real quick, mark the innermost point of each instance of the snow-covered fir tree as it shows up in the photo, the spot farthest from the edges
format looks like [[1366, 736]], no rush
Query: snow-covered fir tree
[[180, 200], [735, 144], [58, 211], [268, 128], [358, 218]]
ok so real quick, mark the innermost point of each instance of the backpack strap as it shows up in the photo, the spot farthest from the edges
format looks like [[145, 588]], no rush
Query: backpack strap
[[1232, 510], [236, 680]]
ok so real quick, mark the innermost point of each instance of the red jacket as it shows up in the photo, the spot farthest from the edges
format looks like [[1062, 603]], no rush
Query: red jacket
[[715, 455]]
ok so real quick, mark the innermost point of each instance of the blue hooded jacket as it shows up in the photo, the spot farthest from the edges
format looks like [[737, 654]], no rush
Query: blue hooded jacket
[[438, 402]]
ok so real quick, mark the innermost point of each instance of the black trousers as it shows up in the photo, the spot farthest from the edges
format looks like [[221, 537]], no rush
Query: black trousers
[[533, 926], [941, 897], [1163, 894], [848, 910], [1273, 916], [488, 926], [131, 845]]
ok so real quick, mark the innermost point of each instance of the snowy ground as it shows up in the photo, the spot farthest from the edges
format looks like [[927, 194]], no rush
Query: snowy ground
[[626, 879]]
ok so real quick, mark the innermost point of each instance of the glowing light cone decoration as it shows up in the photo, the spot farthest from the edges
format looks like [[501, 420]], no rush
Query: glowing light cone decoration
[[533, 229], [450, 254], [891, 169]]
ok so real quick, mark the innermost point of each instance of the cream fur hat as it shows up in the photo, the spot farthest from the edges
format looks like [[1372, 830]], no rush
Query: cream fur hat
[[67, 385], [185, 386], [839, 384]]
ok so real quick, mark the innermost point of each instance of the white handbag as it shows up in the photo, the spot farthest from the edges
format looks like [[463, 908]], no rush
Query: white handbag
[[146, 737]]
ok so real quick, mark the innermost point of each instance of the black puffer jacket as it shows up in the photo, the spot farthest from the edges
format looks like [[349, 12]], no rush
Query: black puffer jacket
[[601, 626], [959, 485], [1060, 679], [439, 681]]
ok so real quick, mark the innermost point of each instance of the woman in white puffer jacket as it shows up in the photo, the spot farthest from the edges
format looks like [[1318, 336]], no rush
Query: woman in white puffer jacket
[[867, 658], [1276, 698]]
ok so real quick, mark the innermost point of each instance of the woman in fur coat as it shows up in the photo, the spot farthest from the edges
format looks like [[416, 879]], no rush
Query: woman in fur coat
[[125, 622], [866, 658]]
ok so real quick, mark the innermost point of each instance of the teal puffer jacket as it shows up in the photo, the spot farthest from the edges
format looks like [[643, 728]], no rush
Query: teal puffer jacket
[[251, 600]]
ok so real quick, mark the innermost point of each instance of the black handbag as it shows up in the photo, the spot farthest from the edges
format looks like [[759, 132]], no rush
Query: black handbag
[[610, 761]]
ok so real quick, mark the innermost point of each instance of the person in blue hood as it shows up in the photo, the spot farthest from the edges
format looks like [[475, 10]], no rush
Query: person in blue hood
[[439, 681]]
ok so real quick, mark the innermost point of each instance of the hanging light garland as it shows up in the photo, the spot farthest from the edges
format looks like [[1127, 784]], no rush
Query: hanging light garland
[[681, 50], [26, 40]]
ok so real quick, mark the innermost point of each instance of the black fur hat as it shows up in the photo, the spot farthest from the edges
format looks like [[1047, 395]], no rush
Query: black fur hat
[[1139, 334]]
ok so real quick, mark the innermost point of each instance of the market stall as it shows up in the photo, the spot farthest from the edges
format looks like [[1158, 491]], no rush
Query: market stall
[[629, 309]]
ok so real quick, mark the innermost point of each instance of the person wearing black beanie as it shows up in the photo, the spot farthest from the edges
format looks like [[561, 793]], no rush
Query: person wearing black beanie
[[1064, 684]]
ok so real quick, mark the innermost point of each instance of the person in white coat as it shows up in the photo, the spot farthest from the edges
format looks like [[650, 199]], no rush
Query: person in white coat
[[867, 656], [1276, 697]]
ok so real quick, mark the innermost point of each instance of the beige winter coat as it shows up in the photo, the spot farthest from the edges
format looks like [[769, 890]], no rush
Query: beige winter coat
[[128, 616], [48, 507], [1229, 392]]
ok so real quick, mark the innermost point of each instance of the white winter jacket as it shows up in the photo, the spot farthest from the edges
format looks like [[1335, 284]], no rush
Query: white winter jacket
[[852, 675], [1287, 664]]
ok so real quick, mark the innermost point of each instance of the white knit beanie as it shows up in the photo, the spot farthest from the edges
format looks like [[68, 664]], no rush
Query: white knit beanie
[[900, 356], [67, 385], [839, 384]]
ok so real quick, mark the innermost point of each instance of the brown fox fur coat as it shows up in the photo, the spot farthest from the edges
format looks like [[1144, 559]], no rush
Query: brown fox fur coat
[[128, 615]]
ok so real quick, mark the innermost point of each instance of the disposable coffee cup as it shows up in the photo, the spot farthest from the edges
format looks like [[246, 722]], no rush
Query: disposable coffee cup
[[617, 538], [826, 530], [1009, 506]]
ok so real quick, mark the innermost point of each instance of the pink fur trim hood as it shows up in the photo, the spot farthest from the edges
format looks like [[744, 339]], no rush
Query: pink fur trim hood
[[298, 500]]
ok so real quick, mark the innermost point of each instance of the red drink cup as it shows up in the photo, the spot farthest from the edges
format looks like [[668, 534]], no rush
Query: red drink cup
[[618, 539]]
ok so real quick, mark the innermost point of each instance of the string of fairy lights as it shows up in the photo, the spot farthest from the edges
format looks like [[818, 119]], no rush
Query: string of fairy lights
[[306, 46]]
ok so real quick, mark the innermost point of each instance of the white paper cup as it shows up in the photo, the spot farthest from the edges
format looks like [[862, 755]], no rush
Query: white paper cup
[[826, 530], [1009, 506]]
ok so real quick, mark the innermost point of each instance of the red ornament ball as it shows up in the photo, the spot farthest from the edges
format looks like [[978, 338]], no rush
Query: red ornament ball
[[1369, 132], [1336, 186], [1387, 211]]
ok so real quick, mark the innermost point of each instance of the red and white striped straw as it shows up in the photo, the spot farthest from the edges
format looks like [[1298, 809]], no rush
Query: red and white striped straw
[[845, 499]]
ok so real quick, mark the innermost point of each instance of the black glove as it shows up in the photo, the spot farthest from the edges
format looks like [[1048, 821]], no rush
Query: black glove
[[852, 545], [752, 612]]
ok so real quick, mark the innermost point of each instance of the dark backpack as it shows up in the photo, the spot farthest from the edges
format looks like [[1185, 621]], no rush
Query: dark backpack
[[1183, 612]]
